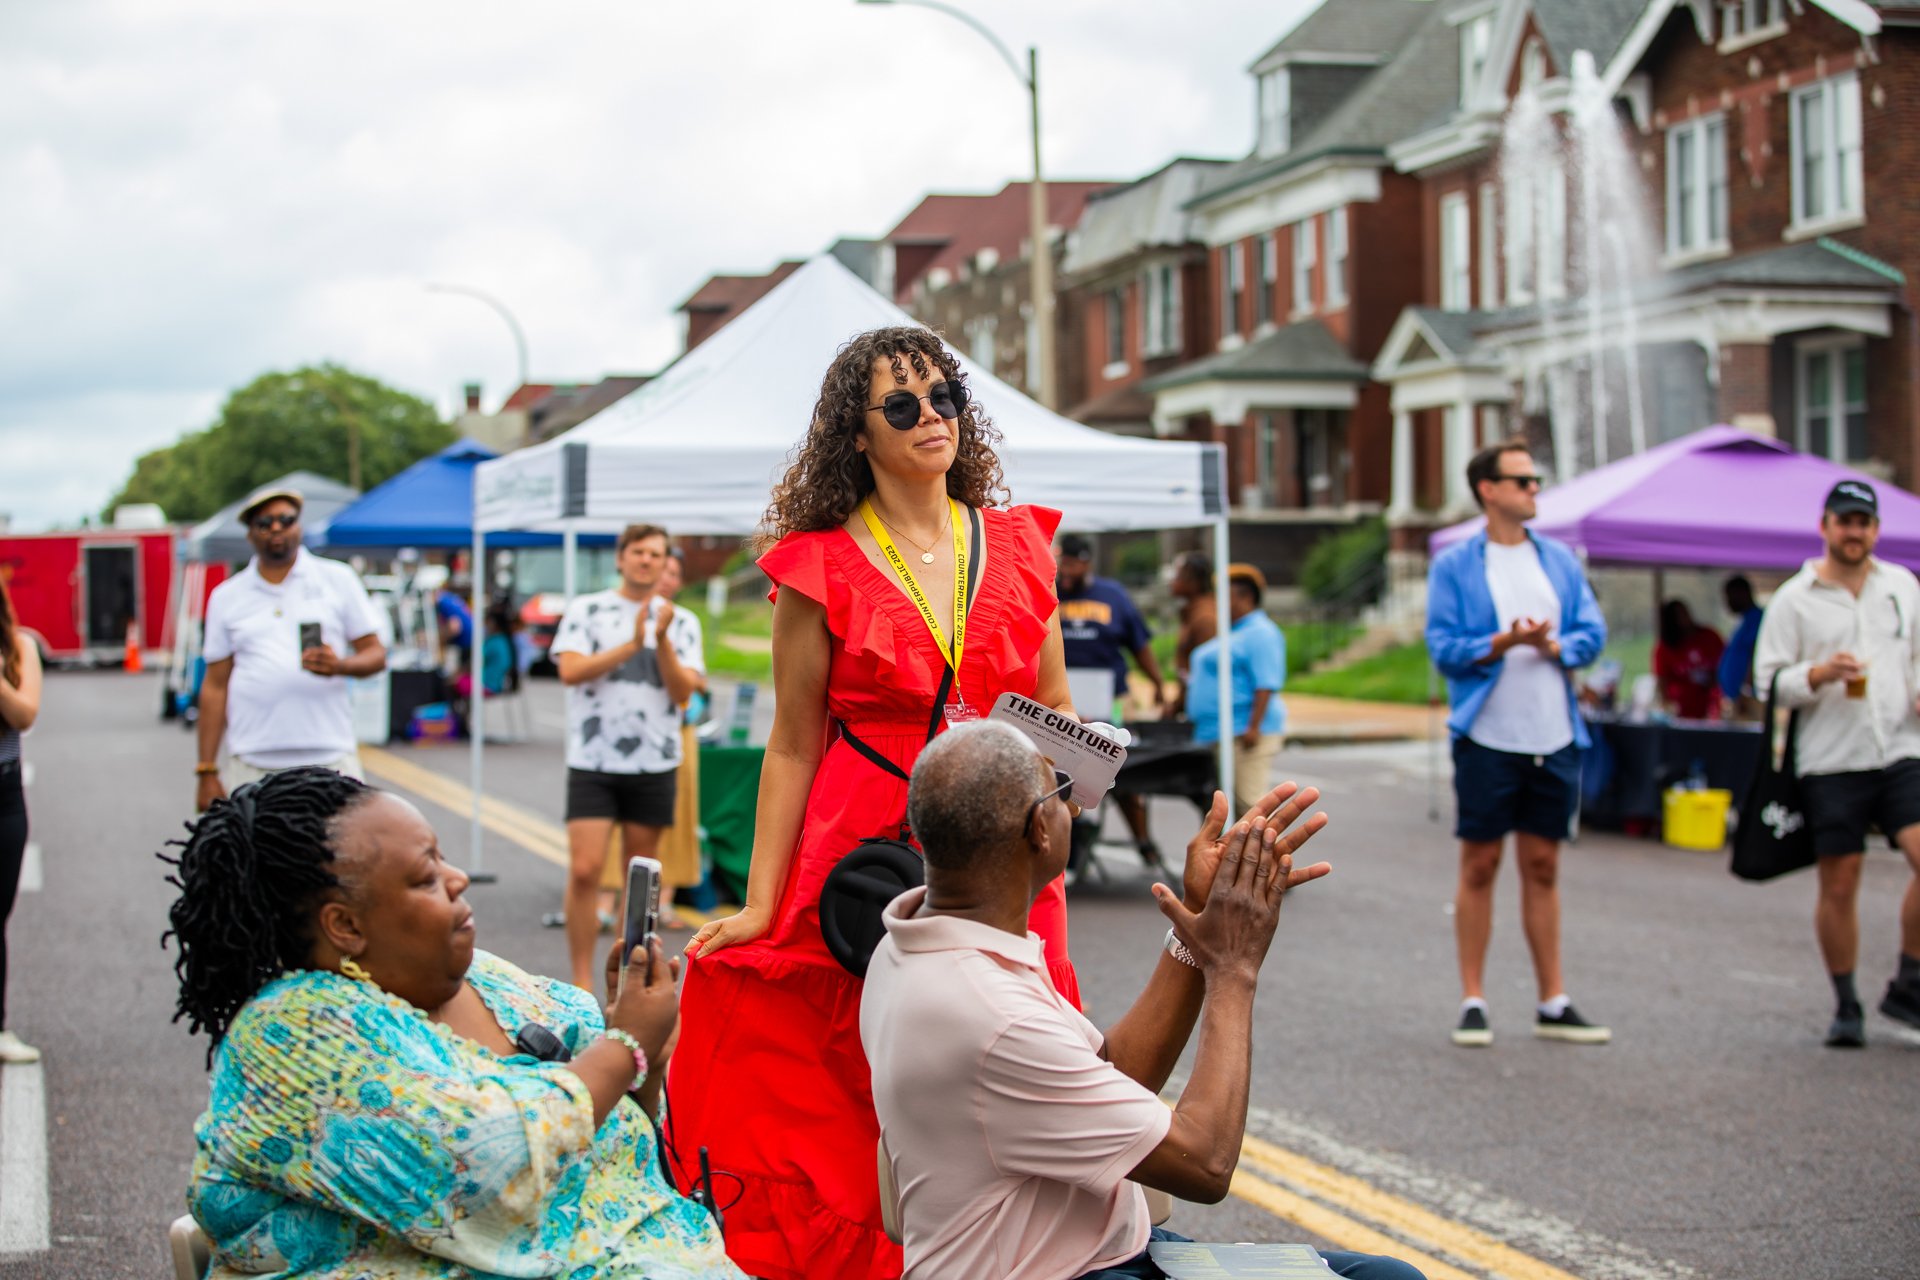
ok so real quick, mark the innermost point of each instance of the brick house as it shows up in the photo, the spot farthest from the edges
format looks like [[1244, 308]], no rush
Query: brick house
[[1313, 249], [958, 263], [1751, 138], [1133, 271], [722, 297]]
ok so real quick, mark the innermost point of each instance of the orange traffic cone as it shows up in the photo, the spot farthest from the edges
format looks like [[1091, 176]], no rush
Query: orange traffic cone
[[133, 646]]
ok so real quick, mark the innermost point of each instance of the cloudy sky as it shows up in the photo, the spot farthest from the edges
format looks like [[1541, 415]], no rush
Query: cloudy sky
[[194, 192]]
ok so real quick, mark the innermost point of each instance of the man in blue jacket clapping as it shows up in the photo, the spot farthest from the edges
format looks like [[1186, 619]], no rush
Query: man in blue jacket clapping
[[1509, 614]]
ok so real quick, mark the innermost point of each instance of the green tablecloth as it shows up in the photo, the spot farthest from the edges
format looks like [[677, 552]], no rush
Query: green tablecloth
[[729, 790]]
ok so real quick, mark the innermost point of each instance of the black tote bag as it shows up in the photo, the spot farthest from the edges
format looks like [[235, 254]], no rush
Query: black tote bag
[[1773, 837]]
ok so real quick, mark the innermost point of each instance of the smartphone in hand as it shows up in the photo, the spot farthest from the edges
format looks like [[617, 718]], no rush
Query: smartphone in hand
[[309, 636], [643, 904]]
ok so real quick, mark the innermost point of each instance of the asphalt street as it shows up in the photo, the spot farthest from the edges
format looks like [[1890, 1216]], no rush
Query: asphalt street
[[1714, 1138]]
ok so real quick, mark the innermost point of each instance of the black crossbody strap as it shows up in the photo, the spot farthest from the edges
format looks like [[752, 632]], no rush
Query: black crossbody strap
[[946, 676]]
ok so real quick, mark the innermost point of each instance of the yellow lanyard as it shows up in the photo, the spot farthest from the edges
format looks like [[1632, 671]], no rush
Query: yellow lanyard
[[885, 542]]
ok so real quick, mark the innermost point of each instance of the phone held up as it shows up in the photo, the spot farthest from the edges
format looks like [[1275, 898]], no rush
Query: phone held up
[[643, 905], [309, 637]]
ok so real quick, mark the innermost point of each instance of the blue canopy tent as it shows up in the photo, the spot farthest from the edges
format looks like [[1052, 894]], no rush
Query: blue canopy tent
[[429, 505]]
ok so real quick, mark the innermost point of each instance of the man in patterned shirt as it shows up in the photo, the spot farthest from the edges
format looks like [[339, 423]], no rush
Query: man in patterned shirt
[[629, 660]]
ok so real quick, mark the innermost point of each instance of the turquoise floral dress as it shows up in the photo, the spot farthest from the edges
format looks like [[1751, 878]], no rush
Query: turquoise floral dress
[[350, 1138]]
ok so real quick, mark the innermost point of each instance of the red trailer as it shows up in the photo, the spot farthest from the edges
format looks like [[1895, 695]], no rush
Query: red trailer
[[75, 592]]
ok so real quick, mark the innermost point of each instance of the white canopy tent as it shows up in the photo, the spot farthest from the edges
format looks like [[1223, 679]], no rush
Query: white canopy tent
[[699, 448]]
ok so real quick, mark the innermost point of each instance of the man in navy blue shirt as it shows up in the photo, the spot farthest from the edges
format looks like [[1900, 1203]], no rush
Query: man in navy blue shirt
[[1102, 627], [1736, 663]]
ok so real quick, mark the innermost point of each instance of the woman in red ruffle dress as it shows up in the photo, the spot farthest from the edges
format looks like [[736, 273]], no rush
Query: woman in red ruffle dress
[[769, 1075]]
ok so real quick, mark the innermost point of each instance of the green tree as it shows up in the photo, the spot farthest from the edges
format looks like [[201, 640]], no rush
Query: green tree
[[305, 420]]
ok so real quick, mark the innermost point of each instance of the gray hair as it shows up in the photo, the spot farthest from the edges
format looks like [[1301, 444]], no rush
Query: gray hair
[[970, 791]]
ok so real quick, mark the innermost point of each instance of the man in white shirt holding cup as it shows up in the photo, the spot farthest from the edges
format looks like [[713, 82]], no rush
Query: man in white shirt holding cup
[[1842, 638]]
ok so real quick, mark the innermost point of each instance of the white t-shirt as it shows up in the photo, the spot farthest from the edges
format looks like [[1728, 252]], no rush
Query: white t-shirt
[[279, 715], [624, 722], [1527, 711]]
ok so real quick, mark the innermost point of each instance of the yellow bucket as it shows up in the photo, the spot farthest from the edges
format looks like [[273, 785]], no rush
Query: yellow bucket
[[1697, 819]]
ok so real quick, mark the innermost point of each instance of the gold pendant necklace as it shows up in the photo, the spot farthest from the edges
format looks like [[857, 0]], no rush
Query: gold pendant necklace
[[926, 553]]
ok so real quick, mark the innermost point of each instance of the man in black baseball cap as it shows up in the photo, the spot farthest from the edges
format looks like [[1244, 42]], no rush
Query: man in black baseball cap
[[1853, 496], [1840, 642]]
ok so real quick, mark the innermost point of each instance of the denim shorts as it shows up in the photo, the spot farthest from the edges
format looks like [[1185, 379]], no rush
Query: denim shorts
[[1496, 792]]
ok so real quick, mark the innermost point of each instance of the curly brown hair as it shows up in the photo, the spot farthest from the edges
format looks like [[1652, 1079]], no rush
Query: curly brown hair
[[827, 477]]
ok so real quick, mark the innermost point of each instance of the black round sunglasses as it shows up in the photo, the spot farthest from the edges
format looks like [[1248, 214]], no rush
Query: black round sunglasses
[[901, 409]]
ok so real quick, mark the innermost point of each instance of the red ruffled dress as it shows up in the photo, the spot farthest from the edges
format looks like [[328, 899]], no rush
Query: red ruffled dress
[[769, 1074]]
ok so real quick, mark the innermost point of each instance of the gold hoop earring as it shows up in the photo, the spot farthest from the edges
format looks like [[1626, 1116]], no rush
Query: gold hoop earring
[[353, 969]]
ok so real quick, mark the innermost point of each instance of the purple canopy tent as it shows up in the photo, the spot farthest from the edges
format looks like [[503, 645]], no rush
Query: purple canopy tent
[[1720, 498]]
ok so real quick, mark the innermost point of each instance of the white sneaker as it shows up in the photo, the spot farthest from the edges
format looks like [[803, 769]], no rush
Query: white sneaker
[[14, 1049]]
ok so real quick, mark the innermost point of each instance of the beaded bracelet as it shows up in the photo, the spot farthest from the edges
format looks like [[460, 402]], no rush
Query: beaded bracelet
[[626, 1041], [1178, 950]]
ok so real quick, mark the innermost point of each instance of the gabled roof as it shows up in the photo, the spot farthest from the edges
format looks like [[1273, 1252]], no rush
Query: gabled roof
[[1002, 222], [1121, 405], [568, 407], [1419, 81], [736, 293], [1304, 350], [1598, 26], [1343, 28], [1147, 214], [1857, 14]]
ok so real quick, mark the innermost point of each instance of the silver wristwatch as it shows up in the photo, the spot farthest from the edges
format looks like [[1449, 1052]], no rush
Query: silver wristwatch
[[1178, 950]]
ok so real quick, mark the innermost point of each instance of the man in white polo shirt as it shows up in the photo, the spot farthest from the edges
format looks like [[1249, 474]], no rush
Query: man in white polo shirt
[[1016, 1130], [281, 638]]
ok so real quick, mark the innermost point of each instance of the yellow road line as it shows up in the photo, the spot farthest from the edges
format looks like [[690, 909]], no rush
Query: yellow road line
[[1337, 1228], [1406, 1220], [528, 830], [1402, 1217]]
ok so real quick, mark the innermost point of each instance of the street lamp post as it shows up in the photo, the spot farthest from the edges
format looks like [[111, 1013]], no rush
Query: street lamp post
[[1040, 254], [500, 308]]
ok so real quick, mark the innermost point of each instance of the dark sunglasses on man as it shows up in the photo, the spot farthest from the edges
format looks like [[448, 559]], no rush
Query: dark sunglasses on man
[[1062, 784], [268, 523], [901, 409], [1525, 482]]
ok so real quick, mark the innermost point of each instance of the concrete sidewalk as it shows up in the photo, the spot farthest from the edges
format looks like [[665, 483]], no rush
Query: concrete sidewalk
[[1315, 721]]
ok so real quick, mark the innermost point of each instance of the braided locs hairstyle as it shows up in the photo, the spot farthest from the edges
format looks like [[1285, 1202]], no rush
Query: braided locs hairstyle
[[251, 873], [827, 476]]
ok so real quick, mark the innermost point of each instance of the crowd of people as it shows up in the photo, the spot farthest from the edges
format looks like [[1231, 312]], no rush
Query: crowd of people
[[387, 1098]]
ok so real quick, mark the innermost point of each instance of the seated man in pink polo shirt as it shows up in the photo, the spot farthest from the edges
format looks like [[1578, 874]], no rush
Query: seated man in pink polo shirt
[[1020, 1136]]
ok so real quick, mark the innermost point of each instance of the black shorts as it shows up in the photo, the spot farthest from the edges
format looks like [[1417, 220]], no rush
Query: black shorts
[[1496, 792], [1842, 806], [643, 798]]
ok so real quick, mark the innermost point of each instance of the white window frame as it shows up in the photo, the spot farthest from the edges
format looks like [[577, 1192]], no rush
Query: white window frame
[[1476, 46], [1160, 314], [1116, 352], [1517, 245], [1697, 164], [1835, 194], [1337, 259], [1234, 292], [1266, 456], [1456, 253], [1489, 215], [1833, 352], [1273, 124], [1749, 22], [1267, 274], [982, 331], [1306, 255], [1550, 273]]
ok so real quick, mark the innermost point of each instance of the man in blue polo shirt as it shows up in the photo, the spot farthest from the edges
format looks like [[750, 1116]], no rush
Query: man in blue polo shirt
[[1259, 663], [1509, 615], [1102, 627]]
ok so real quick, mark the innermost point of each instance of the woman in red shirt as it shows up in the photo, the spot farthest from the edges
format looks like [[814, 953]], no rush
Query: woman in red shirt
[[1686, 662]]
